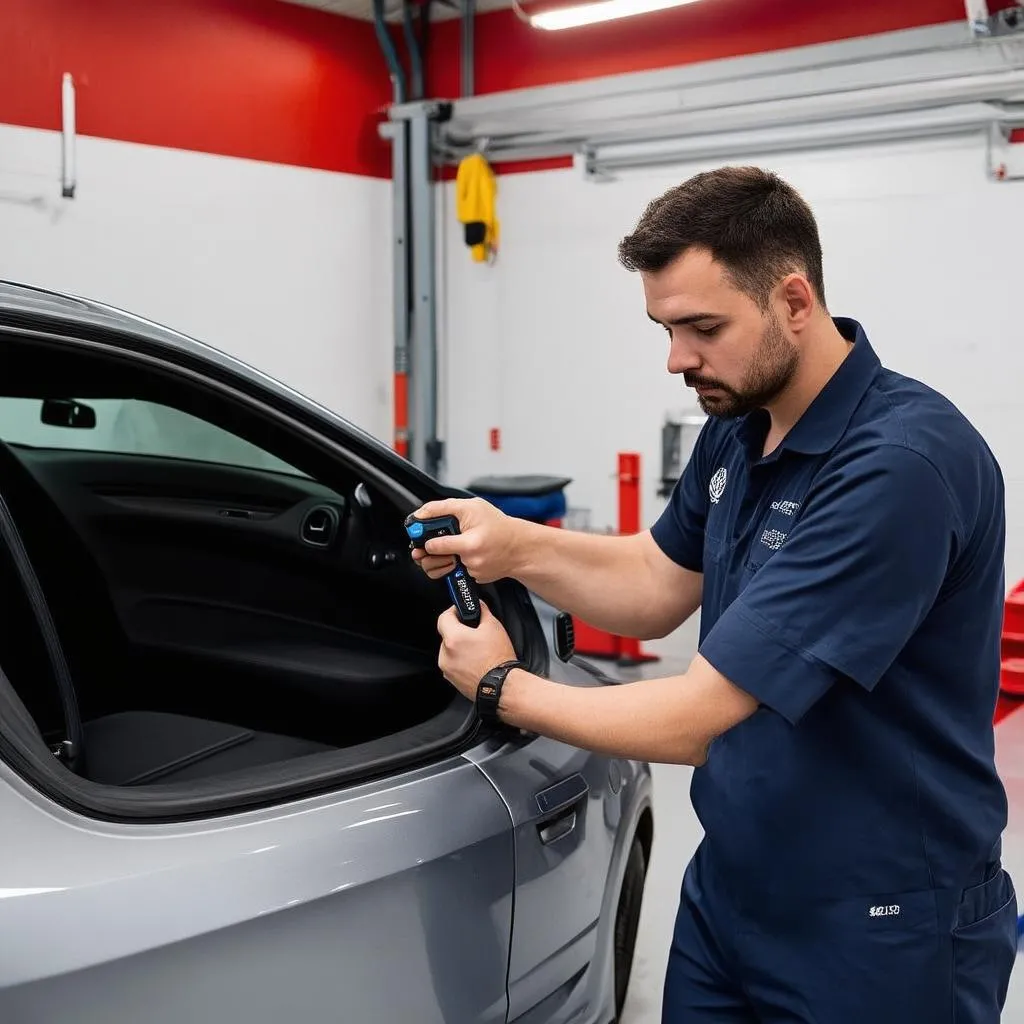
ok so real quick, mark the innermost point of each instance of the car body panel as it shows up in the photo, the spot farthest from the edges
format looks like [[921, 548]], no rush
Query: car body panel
[[390, 903], [428, 896], [570, 856]]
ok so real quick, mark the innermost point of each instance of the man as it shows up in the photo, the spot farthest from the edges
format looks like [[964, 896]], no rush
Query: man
[[842, 529]]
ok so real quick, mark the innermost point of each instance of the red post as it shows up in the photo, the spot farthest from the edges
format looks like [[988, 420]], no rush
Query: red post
[[629, 492], [596, 642], [629, 651], [402, 414]]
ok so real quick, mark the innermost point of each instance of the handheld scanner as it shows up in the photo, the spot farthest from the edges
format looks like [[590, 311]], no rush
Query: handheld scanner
[[461, 585]]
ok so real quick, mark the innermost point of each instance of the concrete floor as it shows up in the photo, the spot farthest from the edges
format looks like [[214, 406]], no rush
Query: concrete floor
[[677, 833]]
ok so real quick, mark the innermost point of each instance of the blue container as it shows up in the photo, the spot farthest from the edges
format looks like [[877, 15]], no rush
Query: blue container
[[536, 498]]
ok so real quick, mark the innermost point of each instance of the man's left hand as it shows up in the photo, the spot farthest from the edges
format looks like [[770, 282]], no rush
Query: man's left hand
[[467, 653]]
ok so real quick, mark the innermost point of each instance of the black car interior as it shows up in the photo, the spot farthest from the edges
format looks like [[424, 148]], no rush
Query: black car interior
[[212, 617]]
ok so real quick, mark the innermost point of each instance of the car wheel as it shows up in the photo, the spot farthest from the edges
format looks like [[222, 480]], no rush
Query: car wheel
[[627, 920]]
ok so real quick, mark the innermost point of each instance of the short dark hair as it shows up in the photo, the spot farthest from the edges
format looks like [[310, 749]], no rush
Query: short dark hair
[[752, 222]]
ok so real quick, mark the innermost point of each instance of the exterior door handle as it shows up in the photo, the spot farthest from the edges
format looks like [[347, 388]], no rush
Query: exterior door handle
[[557, 807], [557, 829]]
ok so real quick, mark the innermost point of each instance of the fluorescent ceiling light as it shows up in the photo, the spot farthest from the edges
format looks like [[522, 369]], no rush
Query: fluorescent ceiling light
[[603, 10]]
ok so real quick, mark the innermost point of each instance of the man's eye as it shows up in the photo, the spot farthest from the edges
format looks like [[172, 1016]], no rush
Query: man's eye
[[709, 332]]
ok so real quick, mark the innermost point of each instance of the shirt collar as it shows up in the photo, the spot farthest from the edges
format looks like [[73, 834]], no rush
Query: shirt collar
[[827, 417]]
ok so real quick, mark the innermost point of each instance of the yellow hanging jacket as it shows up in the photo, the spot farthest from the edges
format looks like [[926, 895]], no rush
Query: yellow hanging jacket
[[476, 191]]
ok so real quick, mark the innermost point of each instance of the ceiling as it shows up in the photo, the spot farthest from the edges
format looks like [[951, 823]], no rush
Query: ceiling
[[363, 9]]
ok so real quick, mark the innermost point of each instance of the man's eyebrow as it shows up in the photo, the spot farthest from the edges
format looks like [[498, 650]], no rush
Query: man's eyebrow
[[684, 321]]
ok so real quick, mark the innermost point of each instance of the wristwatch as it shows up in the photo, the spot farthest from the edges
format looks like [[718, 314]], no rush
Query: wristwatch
[[488, 691]]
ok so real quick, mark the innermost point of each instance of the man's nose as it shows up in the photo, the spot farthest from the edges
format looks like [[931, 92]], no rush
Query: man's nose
[[682, 358]]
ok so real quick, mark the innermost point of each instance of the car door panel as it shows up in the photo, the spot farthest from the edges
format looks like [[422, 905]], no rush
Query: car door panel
[[223, 604], [391, 903], [559, 799], [224, 534]]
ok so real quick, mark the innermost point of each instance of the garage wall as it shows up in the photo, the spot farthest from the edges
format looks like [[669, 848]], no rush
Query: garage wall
[[230, 179], [285, 267], [551, 344]]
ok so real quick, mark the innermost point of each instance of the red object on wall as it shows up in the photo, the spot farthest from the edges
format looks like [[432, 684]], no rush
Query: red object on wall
[[589, 639], [512, 55], [495, 439], [248, 78]]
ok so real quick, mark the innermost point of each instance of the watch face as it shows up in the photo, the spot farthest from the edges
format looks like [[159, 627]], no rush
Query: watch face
[[488, 689]]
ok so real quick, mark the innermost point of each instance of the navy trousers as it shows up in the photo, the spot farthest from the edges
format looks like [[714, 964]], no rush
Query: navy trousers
[[934, 957]]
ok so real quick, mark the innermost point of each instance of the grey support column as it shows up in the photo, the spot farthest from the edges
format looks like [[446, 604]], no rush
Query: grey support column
[[425, 448]]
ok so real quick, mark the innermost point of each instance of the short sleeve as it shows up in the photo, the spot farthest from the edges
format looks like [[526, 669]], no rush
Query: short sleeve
[[852, 582], [679, 530]]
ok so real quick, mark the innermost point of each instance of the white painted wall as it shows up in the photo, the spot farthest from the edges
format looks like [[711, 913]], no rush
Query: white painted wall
[[552, 343], [284, 267]]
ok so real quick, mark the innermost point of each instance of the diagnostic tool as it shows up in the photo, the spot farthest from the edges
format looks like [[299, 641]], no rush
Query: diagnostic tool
[[461, 585]]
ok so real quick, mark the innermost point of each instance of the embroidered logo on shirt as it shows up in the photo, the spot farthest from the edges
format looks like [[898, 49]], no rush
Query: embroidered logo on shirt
[[717, 487], [787, 508], [891, 911], [773, 539]]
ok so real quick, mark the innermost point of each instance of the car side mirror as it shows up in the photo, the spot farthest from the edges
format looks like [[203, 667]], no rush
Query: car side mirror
[[65, 412], [565, 636]]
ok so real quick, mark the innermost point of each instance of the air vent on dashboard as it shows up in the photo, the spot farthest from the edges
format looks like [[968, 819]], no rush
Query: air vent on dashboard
[[319, 526]]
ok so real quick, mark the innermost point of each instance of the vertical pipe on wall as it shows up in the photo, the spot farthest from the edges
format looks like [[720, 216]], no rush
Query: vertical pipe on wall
[[400, 282], [67, 139], [977, 16], [467, 48], [426, 449], [400, 236], [415, 56]]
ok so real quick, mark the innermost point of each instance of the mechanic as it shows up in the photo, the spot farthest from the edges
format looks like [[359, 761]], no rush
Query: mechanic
[[841, 527]]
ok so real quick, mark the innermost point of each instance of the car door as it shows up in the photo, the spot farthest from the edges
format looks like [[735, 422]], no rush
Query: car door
[[383, 900], [566, 806], [389, 903]]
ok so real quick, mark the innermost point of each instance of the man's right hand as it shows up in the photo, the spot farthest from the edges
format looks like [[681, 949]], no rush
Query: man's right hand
[[486, 542]]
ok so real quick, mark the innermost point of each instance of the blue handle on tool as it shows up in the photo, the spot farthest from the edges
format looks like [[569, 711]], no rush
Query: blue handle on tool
[[461, 585]]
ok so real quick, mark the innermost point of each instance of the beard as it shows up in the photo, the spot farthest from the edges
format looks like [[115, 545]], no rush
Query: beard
[[773, 367]]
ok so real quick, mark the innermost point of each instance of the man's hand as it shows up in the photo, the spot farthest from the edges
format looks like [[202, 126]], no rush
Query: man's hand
[[486, 542], [467, 654]]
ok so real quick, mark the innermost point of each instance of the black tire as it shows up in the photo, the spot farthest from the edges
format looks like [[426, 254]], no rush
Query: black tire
[[627, 920]]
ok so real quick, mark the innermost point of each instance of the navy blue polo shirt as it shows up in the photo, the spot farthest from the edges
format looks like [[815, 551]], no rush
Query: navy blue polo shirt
[[853, 584]]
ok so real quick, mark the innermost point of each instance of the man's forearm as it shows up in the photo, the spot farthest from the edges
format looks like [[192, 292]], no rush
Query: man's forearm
[[667, 721], [604, 580]]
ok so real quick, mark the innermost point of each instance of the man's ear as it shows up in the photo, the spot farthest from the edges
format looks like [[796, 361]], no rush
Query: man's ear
[[798, 301]]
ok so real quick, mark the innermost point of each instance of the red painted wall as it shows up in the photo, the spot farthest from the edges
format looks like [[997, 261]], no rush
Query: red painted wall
[[248, 78], [273, 81], [511, 55]]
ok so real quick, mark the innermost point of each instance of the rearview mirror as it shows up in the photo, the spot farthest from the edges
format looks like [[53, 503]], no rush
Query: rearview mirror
[[65, 412]]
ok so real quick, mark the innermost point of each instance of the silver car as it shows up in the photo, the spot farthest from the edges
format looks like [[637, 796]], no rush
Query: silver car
[[233, 784]]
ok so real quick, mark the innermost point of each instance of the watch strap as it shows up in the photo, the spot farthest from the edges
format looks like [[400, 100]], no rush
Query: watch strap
[[488, 691]]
